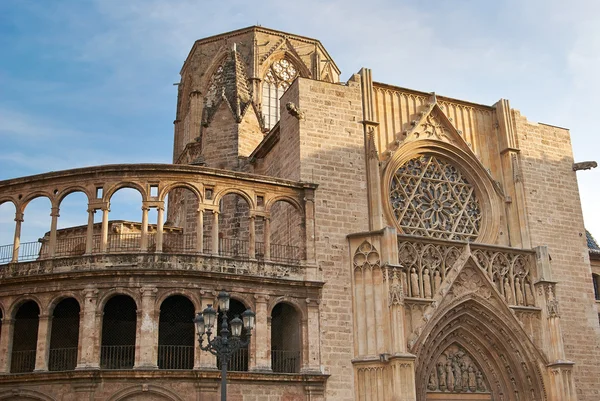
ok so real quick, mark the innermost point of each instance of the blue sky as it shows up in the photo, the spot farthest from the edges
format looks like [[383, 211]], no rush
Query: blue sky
[[85, 82]]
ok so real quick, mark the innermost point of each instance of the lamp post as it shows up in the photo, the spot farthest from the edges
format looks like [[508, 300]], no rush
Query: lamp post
[[225, 344]]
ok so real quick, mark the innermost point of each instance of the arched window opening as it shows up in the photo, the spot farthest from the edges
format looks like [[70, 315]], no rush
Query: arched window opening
[[176, 333], [64, 336], [431, 197], [25, 338], [286, 233], [35, 234], [239, 359], [278, 78], [7, 231], [125, 228], [71, 234], [234, 223], [285, 339], [180, 226], [596, 281], [118, 333]]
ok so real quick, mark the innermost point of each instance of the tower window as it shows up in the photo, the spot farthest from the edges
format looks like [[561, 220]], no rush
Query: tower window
[[277, 79]]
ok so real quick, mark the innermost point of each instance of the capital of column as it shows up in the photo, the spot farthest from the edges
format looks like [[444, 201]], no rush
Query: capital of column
[[145, 208], [55, 211], [6, 321], [312, 302], [90, 293], [19, 216], [148, 291], [45, 317], [261, 298], [91, 210]]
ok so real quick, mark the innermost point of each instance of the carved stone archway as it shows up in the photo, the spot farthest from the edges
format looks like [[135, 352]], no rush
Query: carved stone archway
[[473, 328]]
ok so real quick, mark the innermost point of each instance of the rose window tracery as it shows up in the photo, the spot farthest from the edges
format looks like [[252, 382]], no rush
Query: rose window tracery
[[278, 78], [430, 197]]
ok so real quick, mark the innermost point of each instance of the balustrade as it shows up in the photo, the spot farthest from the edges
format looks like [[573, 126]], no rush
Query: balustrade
[[285, 361], [175, 356], [22, 361], [425, 263], [61, 359], [117, 356]]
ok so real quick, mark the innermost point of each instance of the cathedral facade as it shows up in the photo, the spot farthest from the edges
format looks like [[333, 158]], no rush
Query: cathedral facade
[[394, 245]]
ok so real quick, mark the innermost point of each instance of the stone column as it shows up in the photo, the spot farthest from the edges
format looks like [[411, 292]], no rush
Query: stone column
[[89, 241], [311, 343], [89, 331], [261, 337], [104, 243], [54, 213], [204, 359], [147, 340], [159, 227], [309, 218], [252, 238], [267, 237], [200, 231], [43, 343], [215, 233], [17, 239], [144, 236], [6, 337]]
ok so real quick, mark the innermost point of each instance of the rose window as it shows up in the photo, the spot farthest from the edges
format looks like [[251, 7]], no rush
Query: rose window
[[431, 198]]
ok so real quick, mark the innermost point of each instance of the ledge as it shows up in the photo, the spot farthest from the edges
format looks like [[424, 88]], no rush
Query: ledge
[[161, 264]]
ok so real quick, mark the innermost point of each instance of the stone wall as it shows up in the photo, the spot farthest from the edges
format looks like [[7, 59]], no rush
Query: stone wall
[[556, 220]]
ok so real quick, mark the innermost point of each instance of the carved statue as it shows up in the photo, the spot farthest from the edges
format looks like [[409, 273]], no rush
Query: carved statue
[[456, 370], [529, 295], [414, 283], [480, 384], [508, 292], [441, 376], [437, 280], [449, 376], [465, 376], [472, 379], [432, 384], [426, 283], [519, 292]]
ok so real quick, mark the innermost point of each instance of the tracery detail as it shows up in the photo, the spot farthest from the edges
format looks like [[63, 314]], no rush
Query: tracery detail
[[430, 197], [278, 78]]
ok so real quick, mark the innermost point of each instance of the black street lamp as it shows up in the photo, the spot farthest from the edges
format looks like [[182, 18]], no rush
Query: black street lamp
[[225, 344]]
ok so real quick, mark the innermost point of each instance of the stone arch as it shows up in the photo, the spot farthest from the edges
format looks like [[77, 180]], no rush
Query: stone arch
[[303, 70], [34, 195], [168, 188], [10, 199], [61, 195], [217, 60], [492, 336], [25, 394], [102, 300], [16, 304], [293, 302], [194, 299], [245, 299], [64, 295], [488, 193], [283, 198], [226, 191], [110, 191], [143, 390]]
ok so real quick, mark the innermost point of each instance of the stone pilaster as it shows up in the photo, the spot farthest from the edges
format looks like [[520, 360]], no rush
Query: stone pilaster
[[6, 341], [147, 340], [311, 346], [204, 359], [261, 337], [89, 331], [43, 343]]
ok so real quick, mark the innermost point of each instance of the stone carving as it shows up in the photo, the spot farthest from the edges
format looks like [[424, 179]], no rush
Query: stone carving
[[431, 198], [456, 371], [294, 110], [551, 301], [584, 165], [366, 256]]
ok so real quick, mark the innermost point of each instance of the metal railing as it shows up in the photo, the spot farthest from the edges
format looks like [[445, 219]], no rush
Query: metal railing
[[285, 361], [6, 253], [172, 243], [70, 246], [62, 359], [175, 356], [22, 361], [238, 361], [117, 356], [233, 247]]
